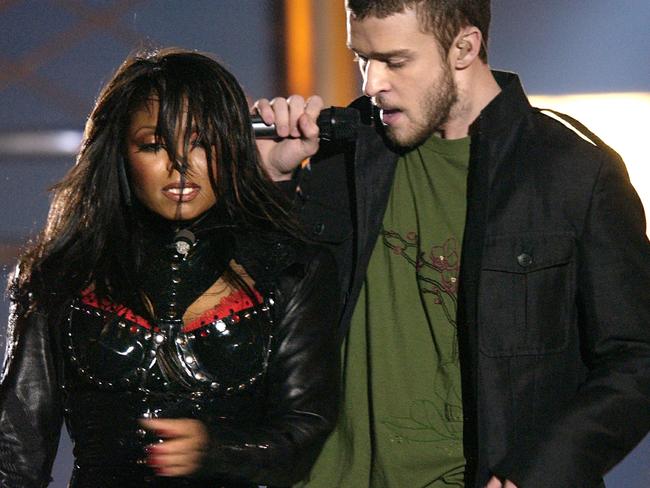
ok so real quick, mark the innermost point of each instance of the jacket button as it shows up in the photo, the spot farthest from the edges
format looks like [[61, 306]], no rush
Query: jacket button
[[524, 259], [318, 229]]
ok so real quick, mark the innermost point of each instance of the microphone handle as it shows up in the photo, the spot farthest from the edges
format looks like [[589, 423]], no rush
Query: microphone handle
[[335, 124]]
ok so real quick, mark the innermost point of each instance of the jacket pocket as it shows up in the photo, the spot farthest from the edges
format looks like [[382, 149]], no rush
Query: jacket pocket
[[526, 294]]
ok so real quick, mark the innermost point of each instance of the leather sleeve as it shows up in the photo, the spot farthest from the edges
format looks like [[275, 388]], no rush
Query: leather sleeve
[[610, 414], [30, 403], [303, 387]]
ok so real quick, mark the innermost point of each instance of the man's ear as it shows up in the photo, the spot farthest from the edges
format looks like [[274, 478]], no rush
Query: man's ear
[[466, 47]]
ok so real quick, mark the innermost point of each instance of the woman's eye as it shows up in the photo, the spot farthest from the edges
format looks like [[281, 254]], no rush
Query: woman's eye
[[151, 147]]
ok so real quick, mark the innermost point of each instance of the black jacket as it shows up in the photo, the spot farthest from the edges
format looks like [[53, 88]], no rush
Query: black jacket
[[299, 392], [554, 307]]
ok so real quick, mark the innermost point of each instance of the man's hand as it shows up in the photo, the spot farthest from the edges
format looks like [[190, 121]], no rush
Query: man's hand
[[295, 123], [496, 483], [181, 452]]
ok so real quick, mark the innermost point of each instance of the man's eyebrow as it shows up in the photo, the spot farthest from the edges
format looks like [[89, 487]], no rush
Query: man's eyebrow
[[383, 56]]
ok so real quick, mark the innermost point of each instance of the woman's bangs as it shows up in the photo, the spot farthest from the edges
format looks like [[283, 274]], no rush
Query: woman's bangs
[[170, 112]]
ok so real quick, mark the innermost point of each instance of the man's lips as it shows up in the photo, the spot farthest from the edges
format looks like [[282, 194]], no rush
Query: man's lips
[[389, 115], [181, 193]]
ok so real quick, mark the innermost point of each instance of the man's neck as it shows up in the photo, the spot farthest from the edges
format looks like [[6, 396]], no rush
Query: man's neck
[[476, 89]]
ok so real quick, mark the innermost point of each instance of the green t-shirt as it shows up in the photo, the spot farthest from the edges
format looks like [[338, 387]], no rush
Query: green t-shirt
[[401, 419]]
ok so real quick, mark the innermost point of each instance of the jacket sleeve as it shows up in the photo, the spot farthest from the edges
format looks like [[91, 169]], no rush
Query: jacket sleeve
[[303, 389], [610, 413], [30, 403]]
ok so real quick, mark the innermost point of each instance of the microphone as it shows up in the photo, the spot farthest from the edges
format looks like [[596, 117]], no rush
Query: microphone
[[335, 124]]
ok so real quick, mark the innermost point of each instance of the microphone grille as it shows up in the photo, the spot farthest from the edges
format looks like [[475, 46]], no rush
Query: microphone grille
[[339, 123]]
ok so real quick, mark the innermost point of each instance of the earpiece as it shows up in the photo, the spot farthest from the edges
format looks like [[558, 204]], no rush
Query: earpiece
[[464, 47]]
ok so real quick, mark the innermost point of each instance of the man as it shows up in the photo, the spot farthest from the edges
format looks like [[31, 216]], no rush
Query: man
[[527, 362]]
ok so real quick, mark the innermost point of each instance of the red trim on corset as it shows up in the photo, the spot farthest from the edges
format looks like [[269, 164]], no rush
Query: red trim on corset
[[231, 304], [228, 305], [90, 298]]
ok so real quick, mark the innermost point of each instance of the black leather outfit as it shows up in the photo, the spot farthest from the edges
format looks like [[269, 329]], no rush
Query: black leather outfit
[[260, 370]]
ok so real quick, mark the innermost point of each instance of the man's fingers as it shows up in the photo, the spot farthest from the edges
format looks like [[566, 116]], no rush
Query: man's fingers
[[313, 106], [309, 130], [295, 125], [262, 107], [288, 113], [296, 109], [280, 108], [307, 123]]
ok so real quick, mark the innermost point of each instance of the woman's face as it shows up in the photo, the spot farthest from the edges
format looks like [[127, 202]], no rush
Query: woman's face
[[154, 179]]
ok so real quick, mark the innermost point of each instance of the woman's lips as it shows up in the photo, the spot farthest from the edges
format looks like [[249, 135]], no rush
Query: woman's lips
[[184, 193]]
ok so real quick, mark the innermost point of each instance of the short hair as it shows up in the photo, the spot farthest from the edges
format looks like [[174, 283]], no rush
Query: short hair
[[442, 18]]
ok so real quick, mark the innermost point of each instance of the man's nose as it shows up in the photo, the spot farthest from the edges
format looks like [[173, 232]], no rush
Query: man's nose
[[374, 78]]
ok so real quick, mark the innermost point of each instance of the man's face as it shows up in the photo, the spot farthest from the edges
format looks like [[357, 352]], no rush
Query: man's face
[[405, 75]]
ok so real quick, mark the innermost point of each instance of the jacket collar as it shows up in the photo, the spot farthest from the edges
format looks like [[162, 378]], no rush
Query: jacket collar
[[509, 106]]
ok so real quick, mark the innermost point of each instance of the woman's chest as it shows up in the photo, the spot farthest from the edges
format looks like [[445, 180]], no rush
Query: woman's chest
[[221, 344]]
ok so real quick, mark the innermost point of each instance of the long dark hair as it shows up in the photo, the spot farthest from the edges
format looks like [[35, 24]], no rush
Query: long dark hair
[[90, 237]]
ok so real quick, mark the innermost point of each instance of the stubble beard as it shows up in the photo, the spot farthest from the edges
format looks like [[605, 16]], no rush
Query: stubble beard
[[437, 104]]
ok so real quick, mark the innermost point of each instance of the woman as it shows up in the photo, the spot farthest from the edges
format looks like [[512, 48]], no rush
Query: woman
[[165, 312]]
